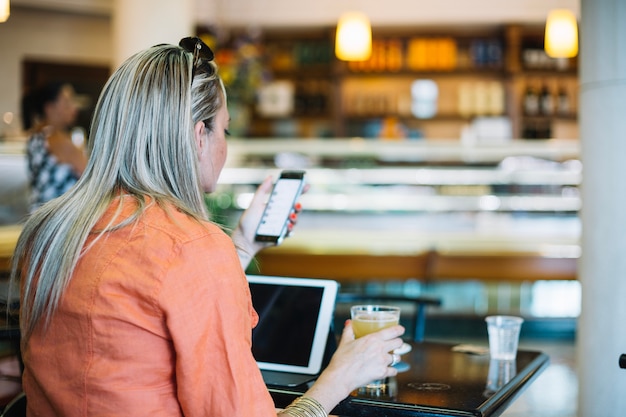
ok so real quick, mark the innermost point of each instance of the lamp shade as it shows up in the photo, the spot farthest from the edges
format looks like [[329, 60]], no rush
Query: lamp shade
[[5, 10], [353, 41], [561, 39]]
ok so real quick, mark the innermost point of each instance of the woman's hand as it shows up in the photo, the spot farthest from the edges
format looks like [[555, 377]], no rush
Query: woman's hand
[[356, 363], [243, 235]]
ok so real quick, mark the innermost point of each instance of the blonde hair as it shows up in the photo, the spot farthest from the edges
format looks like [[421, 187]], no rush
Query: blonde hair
[[142, 144]]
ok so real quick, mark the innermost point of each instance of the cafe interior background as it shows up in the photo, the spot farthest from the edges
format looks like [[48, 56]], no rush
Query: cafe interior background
[[447, 164]]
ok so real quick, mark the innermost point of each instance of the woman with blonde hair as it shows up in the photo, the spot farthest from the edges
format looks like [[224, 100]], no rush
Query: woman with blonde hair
[[132, 302]]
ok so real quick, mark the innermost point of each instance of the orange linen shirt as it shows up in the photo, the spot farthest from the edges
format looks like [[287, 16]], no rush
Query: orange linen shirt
[[156, 321]]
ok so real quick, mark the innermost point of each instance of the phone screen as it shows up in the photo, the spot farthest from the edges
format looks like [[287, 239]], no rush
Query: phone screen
[[273, 225]]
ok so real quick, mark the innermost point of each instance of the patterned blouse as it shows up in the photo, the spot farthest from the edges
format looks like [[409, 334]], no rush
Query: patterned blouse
[[48, 178]]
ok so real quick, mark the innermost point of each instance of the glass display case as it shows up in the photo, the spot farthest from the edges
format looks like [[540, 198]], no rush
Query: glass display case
[[523, 190], [486, 227], [415, 216]]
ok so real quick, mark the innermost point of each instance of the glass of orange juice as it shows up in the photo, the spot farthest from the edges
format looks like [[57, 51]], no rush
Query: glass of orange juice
[[368, 319]]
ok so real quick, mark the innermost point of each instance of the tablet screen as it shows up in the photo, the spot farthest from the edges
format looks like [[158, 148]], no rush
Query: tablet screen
[[294, 322]]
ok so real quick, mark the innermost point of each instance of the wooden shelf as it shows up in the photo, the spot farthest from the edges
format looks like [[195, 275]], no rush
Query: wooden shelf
[[473, 72], [512, 70]]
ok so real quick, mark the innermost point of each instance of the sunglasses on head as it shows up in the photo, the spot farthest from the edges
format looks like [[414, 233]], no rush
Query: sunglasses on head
[[202, 54]]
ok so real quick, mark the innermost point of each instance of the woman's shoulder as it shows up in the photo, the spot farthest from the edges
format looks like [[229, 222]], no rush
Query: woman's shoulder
[[167, 218], [36, 141]]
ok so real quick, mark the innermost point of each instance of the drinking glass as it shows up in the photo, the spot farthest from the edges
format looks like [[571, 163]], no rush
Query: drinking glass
[[368, 319], [503, 336]]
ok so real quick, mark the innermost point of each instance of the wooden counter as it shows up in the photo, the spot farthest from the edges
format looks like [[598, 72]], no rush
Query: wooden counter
[[8, 240], [397, 256], [362, 256], [425, 266]]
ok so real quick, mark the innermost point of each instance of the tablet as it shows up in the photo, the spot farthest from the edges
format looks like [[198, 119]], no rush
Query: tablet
[[295, 316]]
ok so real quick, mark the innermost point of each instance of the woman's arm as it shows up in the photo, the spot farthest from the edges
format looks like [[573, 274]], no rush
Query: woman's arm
[[355, 363]]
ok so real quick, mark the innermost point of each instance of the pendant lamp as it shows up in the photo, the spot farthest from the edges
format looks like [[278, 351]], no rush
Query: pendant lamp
[[561, 39], [353, 41], [5, 10]]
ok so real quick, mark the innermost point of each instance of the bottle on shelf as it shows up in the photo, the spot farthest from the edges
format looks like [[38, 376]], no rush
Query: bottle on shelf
[[563, 106], [546, 101], [497, 98], [395, 60], [531, 101]]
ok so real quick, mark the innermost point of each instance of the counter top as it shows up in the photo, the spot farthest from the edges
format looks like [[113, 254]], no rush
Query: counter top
[[367, 255], [409, 242], [408, 150], [8, 240]]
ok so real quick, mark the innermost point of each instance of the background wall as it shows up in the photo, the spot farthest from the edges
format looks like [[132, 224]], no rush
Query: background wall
[[384, 13], [46, 36], [80, 31]]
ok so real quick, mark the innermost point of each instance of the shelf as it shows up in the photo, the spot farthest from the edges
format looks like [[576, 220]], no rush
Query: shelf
[[547, 72], [390, 202], [472, 72], [312, 116], [518, 185], [412, 176], [546, 118], [316, 71], [416, 151], [407, 119], [459, 61]]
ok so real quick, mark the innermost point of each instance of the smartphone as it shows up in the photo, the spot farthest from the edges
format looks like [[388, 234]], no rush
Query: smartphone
[[273, 224]]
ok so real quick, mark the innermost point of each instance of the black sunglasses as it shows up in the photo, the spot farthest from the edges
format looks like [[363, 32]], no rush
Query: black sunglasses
[[202, 54]]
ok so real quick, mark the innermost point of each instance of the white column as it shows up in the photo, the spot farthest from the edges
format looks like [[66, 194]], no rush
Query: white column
[[139, 24], [601, 334]]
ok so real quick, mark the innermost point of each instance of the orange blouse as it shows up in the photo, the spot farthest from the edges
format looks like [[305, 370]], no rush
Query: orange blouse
[[156, 321]]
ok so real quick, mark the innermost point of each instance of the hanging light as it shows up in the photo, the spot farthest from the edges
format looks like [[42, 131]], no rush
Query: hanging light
[[5, 10], [353, 41], [561, 39]]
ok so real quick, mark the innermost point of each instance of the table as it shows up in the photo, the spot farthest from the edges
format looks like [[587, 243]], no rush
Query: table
[[438, 382]]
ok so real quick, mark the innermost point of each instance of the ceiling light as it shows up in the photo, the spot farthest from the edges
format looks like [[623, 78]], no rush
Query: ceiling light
[[5, 10], [561, 39], [354, 37]]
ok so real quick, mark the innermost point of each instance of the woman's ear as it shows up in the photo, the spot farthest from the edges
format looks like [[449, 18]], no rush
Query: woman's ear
[[199, 130]]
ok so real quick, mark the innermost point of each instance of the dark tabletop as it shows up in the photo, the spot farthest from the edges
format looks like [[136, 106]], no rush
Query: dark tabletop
[[436, 381]]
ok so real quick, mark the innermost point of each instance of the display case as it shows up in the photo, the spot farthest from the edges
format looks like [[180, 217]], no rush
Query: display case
[[420, 197], [481, 226]]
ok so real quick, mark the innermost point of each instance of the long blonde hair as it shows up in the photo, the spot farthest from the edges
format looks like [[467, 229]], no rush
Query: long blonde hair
[[141, 144]]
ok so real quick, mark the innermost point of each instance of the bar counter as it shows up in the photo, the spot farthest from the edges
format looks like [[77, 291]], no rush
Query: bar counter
[[8, 240], [365, 255], [392, 222]]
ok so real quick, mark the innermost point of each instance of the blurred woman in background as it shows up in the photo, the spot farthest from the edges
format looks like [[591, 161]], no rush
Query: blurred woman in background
[[55, 162]]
